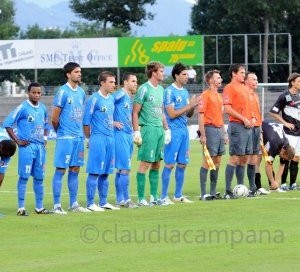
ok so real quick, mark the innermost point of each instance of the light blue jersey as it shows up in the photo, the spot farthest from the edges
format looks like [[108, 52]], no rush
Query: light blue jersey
[[123, 110], [31, 121], [71, 102], [4, 161], [178, 98], [98, 114]]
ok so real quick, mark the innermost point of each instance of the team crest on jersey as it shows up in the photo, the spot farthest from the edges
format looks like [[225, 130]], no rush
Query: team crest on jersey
[[151, 98], [288, 98], [178, 99], [103, 109], [70, 100], [30, 119], [126, 105]]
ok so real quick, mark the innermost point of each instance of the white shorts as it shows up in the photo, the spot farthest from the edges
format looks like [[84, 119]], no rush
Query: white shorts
[[294, 141]]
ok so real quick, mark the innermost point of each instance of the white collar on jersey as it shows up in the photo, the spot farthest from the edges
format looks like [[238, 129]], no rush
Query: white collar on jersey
[[73, 89], [176, 87], [104, 96], [35, 106]]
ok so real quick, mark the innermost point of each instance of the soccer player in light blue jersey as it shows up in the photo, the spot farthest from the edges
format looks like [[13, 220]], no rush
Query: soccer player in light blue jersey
[[31, 119], [178, 107], [99, 132], [69, 151], [123, 138], [7, 150]]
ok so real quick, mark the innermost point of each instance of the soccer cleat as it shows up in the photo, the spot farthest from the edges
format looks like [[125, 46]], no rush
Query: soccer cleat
[[161, 202], [182, 199], [294, 187], [143, 203], [95, 208], [168, 201], [22, 212], [120, 204], [229, 195], [108, 206], [217, 196], [251, 194], [59, 210], [284, 187], [206, 197], [262, 191], [42, 211], [278, 190], [78, 209], [152, 201], [129, 204]]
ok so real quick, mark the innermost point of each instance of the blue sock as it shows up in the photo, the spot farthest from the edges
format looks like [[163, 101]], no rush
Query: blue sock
[[124, 183], [22, 183], [179, 178], [91, 186], [73, 186], [118, 186], [103, 189], [56, 186], [38, 188], [165, 176]]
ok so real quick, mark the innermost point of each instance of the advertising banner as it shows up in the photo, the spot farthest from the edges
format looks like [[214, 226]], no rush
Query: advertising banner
[[136, 52], [16, 54], [89, 53]]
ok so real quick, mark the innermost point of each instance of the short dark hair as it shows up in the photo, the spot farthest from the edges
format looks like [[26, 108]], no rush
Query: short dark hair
[[126, 76], [234, 68], [104, 75], [33, 84], [292, 78], [69, 67], [210, 74], [177, 69], [8, 148]]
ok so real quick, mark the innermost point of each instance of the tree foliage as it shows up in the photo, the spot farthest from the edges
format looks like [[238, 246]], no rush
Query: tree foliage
[[8, 29], [119, 13], [244, 17]]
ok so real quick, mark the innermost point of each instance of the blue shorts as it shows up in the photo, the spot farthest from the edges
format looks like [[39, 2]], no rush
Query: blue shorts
[[178, 149], [4, 164], [256, 131], [69, 152], [215, 140], [240, 139], [101, 157], [32, 160], [123, 150]]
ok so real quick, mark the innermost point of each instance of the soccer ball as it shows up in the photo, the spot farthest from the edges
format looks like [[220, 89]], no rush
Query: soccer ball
[[240, 190]]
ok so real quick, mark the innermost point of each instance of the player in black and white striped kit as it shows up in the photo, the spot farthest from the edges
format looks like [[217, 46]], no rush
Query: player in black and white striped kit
[[288, 104], [275, 143]]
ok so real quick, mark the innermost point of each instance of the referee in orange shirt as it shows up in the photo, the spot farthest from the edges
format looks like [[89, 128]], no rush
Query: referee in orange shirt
[[212, 133], [241, 120]]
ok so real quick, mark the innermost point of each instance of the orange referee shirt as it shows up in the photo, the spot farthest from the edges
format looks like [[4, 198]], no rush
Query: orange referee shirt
[[237, 95], [211, 105], [254, 103]]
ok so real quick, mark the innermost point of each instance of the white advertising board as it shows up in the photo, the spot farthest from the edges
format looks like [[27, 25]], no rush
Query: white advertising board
[[17, 54], [89, 53]]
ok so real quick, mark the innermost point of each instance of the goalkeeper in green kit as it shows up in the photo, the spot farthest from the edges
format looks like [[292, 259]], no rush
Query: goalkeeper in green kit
[[151, 131]]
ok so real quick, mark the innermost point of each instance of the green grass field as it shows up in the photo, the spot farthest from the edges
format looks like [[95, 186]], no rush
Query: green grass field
[[256, 234]]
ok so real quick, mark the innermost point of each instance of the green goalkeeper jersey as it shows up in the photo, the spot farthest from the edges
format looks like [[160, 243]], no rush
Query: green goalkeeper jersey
[[151, 99]]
